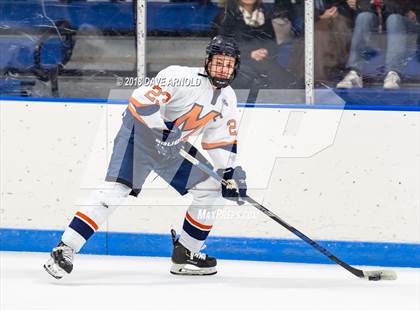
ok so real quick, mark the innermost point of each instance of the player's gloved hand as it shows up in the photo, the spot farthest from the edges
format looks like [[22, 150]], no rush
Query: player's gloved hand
[[235, 188], [169, 142]]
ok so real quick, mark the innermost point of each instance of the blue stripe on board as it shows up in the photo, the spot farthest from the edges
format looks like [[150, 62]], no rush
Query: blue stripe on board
[[351, 107], [258, 249], [67, 100]]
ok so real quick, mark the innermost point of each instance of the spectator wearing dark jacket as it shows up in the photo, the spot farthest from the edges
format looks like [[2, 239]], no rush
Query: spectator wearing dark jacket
[[397, 18], [294, 11], [333, 32], [250, 25]]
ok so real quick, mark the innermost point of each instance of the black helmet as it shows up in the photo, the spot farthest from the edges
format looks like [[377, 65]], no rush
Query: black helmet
[[221, 45]]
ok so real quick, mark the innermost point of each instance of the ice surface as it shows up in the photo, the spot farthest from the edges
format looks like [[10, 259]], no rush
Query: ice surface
[[115, 282]]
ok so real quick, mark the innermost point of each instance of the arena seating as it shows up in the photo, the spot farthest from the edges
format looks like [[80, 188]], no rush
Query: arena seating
[[109, 17], [379, 96], [26, 49]]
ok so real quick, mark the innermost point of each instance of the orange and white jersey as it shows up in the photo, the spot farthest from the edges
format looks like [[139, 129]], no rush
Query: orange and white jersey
[[184, 96]]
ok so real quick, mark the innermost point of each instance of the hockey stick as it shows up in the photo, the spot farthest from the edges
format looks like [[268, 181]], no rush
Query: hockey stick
[[368, 275]]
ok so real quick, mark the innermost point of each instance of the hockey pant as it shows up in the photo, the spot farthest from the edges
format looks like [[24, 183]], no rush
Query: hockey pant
[[198, 221]]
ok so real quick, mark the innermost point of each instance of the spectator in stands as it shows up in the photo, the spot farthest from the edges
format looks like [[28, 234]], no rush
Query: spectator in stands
[[398, 18], [333, 30], [294, 11], [251, 25]]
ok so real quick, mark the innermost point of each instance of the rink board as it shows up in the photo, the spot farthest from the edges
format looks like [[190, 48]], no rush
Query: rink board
[[345, 174], [256, 249]]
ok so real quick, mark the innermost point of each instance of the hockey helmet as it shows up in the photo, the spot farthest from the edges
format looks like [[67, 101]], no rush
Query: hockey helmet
[[221, 45]]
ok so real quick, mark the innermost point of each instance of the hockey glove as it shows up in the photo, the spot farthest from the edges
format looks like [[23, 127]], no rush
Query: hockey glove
[[235, 187], [169, 142]]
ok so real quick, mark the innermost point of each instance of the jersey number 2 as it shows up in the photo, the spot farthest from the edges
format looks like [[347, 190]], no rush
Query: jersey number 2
[[232, 127]]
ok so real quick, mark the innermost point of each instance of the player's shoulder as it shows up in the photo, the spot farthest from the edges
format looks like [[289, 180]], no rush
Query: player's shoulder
[[230, 96]]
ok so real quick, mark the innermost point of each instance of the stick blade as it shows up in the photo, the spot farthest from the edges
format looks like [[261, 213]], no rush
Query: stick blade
[[380, 275]]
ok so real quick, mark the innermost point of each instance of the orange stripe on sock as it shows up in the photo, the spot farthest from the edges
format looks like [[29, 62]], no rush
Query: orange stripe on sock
[[87, 219], [195, 223]]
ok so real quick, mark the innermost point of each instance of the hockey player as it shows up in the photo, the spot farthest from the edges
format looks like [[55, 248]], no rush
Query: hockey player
[[184, 102]]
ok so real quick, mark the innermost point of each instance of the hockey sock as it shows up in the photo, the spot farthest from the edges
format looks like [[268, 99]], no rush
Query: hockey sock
[[194, 232], [200, 216], [87, 220]]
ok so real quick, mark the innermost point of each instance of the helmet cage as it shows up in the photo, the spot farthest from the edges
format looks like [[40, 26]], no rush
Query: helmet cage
[[222, 46]]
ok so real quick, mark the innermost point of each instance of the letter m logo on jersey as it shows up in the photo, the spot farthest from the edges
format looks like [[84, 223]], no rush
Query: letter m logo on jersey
[[192, 120]]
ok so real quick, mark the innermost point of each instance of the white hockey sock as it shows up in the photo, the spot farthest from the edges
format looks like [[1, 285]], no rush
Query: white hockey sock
[[87, 220], [200, 216]]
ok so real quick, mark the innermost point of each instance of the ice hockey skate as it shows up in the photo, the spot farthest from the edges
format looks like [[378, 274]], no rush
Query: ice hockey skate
[[61, 261], [186, 262]]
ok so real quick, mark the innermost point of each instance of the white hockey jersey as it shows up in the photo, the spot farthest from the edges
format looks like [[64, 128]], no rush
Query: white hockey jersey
[[185, 96]]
